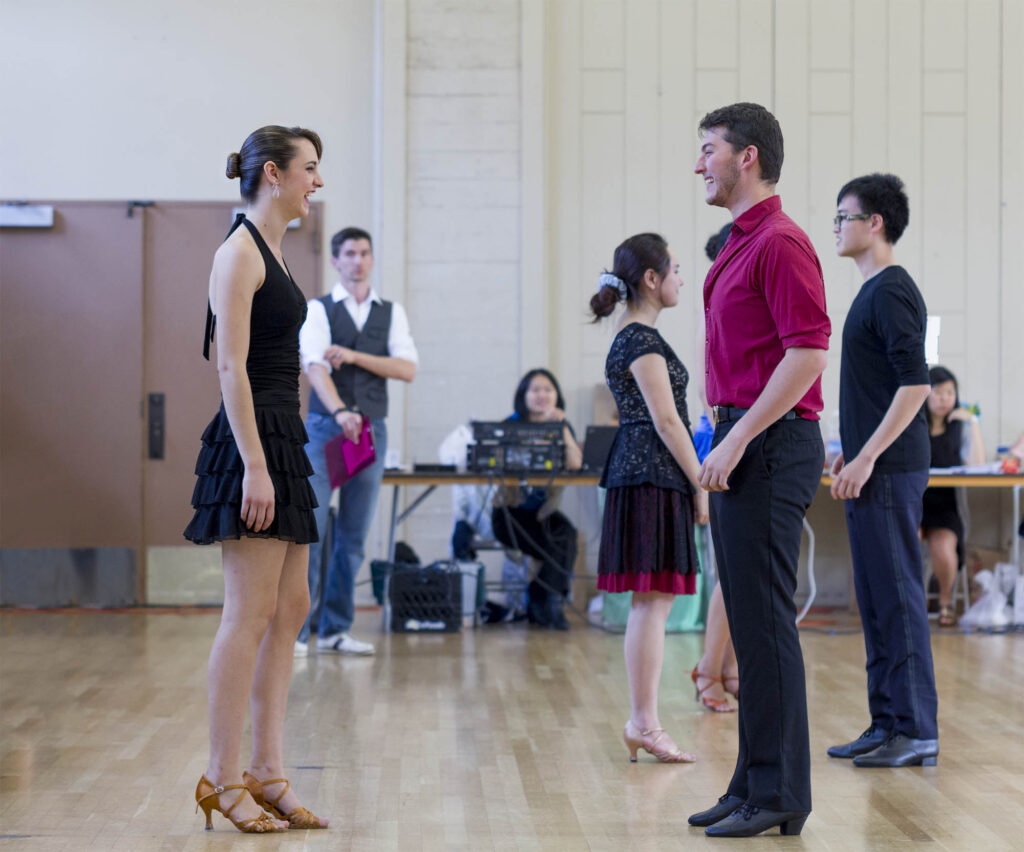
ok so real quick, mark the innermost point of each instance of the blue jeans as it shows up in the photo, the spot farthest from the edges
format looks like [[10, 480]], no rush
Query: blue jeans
[[332, 599], [887, 572]]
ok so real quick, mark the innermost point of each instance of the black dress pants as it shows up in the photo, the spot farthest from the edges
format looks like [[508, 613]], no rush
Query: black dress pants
[[756, 526]]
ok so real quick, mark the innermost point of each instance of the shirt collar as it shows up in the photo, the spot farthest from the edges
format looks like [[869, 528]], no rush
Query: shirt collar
[[753, 217], [340, 294]]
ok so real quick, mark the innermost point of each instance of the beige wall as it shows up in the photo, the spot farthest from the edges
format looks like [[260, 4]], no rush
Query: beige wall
[[112, 99]]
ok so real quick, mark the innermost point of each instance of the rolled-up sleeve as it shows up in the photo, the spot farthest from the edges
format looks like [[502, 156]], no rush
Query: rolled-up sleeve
[[314, 336], [400, 343], [795, 294], [901, 324]]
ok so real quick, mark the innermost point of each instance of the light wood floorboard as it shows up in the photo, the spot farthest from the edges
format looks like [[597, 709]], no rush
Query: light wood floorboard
[[498, 738]]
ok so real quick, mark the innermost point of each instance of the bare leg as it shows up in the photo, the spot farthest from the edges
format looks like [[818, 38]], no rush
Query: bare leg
[[645, 651], [716, 639], [942, 547], [252, 570], [268, 699]]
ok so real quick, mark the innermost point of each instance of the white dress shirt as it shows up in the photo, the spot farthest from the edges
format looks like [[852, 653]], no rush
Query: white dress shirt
[[315, 334]]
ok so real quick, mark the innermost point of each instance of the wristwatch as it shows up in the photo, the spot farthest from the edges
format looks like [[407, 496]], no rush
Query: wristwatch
[[338, 411]]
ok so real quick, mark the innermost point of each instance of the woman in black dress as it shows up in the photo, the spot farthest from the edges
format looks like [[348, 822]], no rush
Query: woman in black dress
[[252, 493], [956, 440], [652, 477], [534, 525]]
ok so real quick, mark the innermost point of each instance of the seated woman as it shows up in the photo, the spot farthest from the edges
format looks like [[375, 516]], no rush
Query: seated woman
[[533, 525], [956, 440]]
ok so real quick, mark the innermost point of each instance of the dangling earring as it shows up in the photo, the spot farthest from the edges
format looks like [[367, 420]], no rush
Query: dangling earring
[[277, 191]]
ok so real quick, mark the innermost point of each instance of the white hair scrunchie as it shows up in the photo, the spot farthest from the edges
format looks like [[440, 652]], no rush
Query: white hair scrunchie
[[609, 280]]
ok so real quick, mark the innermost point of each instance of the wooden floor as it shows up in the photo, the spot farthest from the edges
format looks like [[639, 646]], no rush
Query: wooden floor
[[497, 738]]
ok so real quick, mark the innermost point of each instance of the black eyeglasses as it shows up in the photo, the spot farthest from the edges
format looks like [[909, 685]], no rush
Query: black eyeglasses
[[849, 217]]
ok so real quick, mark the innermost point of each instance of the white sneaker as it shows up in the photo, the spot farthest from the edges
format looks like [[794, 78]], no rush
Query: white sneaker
[[343, 643], [301, 648]]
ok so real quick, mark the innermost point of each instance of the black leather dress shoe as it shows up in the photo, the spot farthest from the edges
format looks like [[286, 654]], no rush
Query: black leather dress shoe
[[726, 805], [871, 739], [901, 750], [748, 820]]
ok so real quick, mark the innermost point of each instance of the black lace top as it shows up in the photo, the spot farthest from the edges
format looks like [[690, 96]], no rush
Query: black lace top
[[638, 455]]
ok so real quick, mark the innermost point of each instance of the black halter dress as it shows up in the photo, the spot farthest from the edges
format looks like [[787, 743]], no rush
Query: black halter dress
[[272, 365]]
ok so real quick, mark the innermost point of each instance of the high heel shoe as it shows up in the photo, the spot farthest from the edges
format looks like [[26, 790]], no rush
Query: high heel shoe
[[650, 746], [207, 798], [298, 818], [715, 705]]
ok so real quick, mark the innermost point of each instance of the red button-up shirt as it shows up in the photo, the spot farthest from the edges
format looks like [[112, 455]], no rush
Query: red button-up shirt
[[763, 294]]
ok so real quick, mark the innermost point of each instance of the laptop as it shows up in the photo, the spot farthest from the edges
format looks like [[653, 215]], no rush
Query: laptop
[[596, 445]]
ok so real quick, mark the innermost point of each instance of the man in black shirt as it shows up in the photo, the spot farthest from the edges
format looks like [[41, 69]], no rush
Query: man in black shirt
[[882, 473]]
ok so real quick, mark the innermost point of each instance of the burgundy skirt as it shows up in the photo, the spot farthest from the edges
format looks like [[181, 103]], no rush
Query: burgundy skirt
[[647, 541]]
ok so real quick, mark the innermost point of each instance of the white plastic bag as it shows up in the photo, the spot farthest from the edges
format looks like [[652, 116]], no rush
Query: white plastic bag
[[990, 609]]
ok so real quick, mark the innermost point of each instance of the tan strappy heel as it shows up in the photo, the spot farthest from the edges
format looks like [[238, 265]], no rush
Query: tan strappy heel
[[651, 746], [207, 798], [298, 818]]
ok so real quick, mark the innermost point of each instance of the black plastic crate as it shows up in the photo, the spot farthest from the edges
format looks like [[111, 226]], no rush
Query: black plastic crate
[[425, 600]]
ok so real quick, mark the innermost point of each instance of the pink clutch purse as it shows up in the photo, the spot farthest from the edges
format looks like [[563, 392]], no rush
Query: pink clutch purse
[[345, 459]]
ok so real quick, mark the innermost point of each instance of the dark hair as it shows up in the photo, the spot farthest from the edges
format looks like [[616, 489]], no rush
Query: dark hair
[[338, 240], [716, 242], [750, 124], [273, 144], [631, 261], [519, 400], [939, 375], [882, 194]]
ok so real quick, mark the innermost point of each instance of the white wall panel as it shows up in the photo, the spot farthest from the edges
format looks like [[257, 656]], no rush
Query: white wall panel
[[941, 219], [830, 25], [870, 129], [831, 92], [601, 32], [945, 91], [717, 25], [904, 117], [604, 90], [756, 74], [792, 104], [944, 26], [642, 120]]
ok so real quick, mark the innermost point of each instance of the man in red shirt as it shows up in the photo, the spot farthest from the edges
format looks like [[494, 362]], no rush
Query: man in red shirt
[[766, 333]]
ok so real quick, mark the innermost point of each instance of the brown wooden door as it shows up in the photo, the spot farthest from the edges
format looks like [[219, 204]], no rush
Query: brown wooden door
[[70, 380], [180, 240]]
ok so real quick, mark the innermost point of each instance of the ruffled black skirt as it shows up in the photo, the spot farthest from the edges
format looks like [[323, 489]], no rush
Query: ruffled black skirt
[[217, 497]]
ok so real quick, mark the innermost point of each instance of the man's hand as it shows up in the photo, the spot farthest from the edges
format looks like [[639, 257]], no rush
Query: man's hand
[[338, 355], [849, 479], [700, 507], [720, 463]]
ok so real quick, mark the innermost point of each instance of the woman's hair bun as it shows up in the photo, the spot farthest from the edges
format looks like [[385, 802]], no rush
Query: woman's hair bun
[[234, 166]]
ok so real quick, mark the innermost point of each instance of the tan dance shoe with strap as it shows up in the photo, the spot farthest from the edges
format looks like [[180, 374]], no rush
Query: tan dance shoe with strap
[[648, 741], [208, 798], [299, 818]]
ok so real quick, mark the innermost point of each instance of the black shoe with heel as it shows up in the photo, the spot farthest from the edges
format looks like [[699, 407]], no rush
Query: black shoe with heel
[[748, 820], [871, 739], [725, 806]]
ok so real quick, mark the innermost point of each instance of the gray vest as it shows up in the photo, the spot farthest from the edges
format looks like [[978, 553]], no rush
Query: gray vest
[[358, 388]]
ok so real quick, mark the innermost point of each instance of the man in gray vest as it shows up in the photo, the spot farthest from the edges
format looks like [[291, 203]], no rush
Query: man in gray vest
[[351, 343]]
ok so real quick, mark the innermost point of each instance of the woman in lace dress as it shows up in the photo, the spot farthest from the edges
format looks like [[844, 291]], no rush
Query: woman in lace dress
[[652, 476]]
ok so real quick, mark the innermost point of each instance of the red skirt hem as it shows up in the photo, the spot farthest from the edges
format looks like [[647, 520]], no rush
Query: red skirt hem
[[670, 584]]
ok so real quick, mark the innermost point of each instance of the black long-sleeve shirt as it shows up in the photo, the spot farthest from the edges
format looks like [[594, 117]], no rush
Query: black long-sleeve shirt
[[883, 350]]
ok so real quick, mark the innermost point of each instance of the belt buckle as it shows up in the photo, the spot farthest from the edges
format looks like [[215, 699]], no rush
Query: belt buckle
[[715, 411]]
